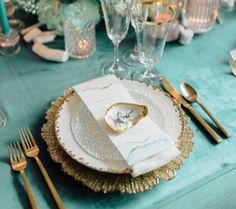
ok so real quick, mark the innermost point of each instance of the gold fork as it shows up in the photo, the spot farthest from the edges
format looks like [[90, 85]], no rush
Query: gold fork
[[31, 150], [18, 163]]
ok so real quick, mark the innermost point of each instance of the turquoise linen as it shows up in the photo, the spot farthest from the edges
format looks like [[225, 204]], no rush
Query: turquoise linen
[[208, 178]]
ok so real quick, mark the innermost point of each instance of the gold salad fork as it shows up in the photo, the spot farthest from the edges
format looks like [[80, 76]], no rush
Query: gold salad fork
[[31, 150], [18, 163]]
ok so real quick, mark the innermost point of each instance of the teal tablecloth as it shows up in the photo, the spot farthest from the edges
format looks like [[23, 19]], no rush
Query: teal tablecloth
[[208, 178]]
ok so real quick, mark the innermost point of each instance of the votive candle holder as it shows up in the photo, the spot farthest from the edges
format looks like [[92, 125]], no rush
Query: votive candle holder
[[80, 39]]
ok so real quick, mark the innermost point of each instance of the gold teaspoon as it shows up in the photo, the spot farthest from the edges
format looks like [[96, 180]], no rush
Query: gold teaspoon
[[191, 95]]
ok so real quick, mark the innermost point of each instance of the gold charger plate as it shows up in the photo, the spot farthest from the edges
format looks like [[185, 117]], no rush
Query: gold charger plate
[[107, 182]]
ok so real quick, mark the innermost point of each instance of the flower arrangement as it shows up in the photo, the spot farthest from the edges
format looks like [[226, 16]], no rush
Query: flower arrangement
[[53, 13], [29, 6]]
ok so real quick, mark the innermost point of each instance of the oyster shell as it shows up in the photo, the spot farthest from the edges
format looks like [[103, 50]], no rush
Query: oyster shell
[[122, 116]]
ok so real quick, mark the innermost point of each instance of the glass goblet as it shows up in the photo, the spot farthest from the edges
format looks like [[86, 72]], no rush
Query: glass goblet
[[117, 20], [154, 19]]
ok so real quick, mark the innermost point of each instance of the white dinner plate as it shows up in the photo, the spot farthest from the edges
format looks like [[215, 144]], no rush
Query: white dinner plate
[[81, 137]]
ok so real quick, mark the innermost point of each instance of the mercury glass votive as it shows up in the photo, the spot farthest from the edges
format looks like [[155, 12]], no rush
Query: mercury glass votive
[[200, 15], [80, 40], [9, 43]]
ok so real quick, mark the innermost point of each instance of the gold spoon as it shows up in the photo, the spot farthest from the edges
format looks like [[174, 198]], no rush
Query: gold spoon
[[191, 95]]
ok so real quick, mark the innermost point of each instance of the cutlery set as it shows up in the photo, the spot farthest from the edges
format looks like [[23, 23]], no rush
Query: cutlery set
[[191, 95], [19, 163]]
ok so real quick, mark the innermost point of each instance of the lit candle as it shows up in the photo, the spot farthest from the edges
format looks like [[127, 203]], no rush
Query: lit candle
[[84, 47], [80, 41], [3, 19]]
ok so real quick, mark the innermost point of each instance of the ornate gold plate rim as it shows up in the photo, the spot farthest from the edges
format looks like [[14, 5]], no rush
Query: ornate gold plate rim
[[108, 182]]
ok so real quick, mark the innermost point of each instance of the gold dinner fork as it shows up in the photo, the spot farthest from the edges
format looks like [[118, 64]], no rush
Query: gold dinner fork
[[18, 163], [31, 150]]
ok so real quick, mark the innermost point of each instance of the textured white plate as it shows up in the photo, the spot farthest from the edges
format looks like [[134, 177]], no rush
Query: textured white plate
[[81, 137]]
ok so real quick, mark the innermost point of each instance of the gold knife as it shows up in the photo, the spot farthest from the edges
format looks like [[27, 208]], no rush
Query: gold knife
[[174, 93]]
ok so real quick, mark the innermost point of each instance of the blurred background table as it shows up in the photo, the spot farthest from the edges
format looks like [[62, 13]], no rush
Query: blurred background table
[[208, 178]]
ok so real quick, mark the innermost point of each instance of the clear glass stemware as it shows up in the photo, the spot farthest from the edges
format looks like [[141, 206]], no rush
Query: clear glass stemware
[[117, 20], [132, 57], [153, 18]]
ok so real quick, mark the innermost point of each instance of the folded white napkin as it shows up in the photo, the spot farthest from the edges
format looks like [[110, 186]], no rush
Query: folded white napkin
[[233, 54], [145, 146]]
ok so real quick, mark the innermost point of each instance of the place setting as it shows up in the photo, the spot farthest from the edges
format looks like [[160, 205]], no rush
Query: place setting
[[92, 129], [117, 128], [129, 128], [77, 141]]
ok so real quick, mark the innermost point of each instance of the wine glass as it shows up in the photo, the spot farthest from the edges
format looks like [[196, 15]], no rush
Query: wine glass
[[117, 20], [154, 19]]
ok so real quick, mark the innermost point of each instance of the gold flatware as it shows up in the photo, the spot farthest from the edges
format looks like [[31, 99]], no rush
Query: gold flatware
[[232, 64], [31, 150], [18, 163], [174, 93], [191, 95]]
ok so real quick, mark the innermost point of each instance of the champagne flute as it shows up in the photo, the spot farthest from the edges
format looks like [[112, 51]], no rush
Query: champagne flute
[[117, 20], [154, 18], [132, 57]]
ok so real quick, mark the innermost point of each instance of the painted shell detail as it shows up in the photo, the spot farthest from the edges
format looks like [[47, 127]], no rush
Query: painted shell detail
[[122, 116]]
